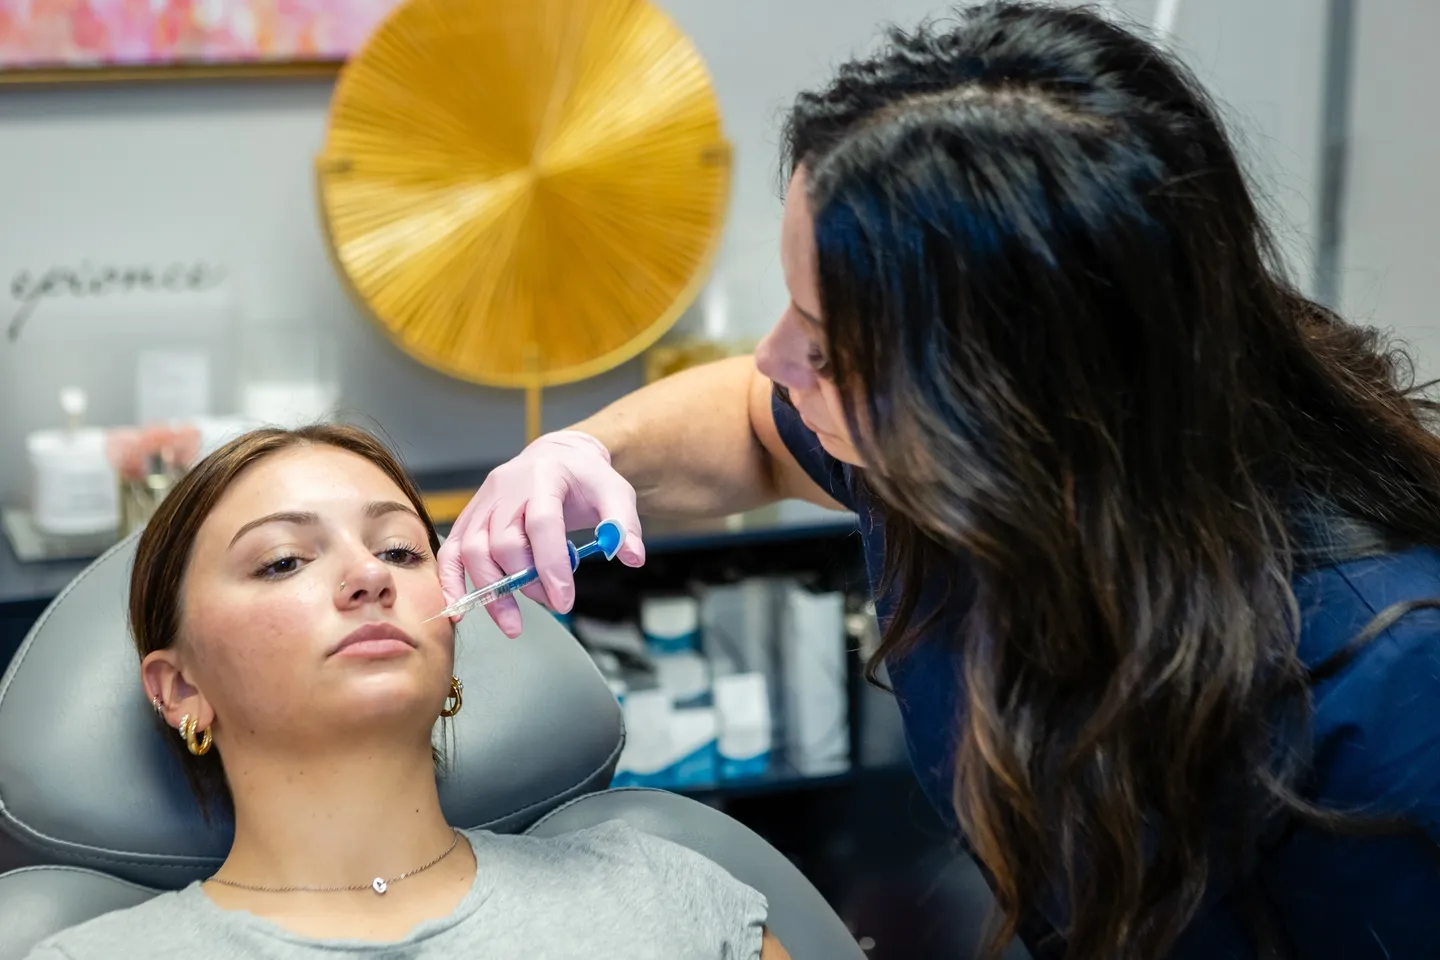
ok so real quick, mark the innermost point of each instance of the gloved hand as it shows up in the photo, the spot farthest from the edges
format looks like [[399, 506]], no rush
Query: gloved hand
[[520, 515]]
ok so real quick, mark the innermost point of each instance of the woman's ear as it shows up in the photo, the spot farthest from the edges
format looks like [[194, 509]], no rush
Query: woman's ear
[[164, 679]]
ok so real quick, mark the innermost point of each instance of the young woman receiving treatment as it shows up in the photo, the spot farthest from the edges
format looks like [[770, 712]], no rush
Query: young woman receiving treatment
[[279, 602]]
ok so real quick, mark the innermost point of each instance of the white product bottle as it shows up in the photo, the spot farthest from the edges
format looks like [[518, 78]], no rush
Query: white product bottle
[[75, 491], [685, 676], [647, 737], [670, 624], [743, 703], [813, 657]]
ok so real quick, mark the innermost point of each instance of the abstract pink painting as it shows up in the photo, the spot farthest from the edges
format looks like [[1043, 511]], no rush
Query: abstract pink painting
[[50, 35]]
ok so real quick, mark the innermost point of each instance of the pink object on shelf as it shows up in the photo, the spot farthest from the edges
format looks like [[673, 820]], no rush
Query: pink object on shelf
[[122, 449], [130, 449]]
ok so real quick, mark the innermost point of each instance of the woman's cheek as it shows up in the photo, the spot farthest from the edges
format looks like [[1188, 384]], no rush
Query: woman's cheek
[[423, 586], [834, 406], [425, 597], [272, 631]]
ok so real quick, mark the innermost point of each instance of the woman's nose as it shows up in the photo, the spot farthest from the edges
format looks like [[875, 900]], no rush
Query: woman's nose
[[783, 356], [366, 581]]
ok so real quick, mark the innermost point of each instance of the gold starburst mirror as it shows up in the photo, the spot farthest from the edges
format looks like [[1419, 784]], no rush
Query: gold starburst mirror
[[525, 193]]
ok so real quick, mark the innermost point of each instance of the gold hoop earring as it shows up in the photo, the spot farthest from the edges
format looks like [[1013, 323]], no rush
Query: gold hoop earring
[[187, 733], [456, 690]]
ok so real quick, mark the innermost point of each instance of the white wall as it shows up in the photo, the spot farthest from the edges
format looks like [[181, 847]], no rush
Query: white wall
[[223, 172], [1264, 62], [1391, 240]]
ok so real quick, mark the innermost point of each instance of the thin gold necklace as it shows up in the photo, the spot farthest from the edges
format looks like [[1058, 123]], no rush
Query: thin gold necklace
[[379, 884]]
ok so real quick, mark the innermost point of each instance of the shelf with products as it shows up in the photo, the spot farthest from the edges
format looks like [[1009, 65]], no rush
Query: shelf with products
[[791, 557]]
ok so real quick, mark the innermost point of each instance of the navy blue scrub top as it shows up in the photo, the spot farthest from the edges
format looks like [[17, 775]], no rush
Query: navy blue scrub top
[[1376, 730]]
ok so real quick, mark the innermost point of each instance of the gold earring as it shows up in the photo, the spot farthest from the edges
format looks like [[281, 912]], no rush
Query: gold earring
[[456, 689], [187, 733], [155, 702], [342, 586]]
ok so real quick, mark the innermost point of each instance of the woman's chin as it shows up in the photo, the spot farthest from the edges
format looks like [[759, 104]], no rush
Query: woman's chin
[[389, 697], [840, 449]]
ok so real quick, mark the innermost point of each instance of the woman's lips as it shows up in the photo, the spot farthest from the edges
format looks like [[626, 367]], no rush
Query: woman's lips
[[375, 649], [375, 641]]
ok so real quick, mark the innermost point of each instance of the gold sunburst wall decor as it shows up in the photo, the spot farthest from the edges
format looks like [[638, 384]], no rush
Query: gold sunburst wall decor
[[525, 193]]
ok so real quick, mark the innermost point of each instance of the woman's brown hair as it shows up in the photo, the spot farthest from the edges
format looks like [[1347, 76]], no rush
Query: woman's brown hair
[[162, 555]]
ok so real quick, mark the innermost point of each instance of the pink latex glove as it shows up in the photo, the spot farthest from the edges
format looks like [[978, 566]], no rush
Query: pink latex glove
[[520, 515]]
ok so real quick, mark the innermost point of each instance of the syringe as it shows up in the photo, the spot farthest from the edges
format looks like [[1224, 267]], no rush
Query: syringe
[[609, 535]]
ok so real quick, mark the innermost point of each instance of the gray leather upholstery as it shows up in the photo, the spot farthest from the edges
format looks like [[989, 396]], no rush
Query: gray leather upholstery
[[89, 790]]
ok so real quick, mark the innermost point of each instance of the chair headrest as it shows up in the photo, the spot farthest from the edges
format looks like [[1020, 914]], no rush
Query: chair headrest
[[85, 778]]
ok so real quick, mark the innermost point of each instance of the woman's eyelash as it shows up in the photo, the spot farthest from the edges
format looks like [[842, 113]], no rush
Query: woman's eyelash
[[409, 555], [271, 570], [818, 361], [404, 554]]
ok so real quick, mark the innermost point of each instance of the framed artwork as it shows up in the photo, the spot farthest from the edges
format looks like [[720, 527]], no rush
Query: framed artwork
[[58, 41]]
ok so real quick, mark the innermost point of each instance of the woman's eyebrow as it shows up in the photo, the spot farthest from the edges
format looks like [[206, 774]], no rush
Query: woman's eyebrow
[[373, 510], [300, 517], [376, 509]]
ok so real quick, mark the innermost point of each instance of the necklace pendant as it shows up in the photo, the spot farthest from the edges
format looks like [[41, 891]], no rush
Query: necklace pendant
[[379, 885]]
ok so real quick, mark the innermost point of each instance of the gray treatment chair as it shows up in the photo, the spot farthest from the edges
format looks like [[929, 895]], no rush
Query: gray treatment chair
[[95, 814]]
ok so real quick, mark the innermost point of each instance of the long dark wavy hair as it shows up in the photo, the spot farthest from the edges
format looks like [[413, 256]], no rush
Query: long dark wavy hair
[[1080, 379]]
